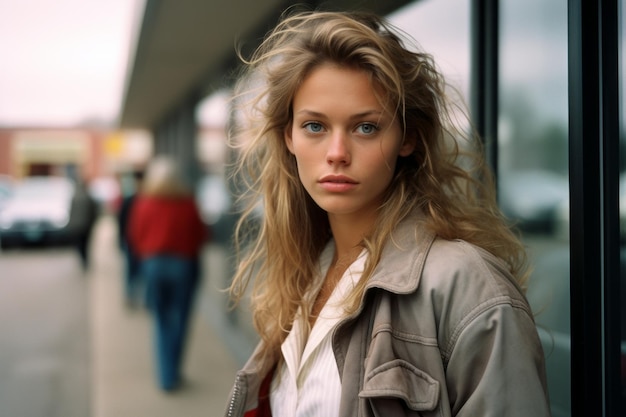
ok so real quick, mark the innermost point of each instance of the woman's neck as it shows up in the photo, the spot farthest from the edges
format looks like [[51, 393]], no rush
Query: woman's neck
[[348, 233]]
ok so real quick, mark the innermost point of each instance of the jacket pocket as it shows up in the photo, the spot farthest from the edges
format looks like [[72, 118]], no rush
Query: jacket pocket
[[399, 379]]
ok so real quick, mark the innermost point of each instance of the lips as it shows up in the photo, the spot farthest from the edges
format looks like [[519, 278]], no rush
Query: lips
[[337, 183], [338, 179]]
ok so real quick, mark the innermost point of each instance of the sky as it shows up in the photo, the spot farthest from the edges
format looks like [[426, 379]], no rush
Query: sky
[[64, 61]]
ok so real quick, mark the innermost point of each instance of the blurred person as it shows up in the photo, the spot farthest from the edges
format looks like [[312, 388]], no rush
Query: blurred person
[[133, 285], [384, 279], [167, 234], [83, 216]]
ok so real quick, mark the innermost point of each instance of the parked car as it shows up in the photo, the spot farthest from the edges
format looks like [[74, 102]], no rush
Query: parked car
[[536, 200], [6, 189], [43, 211]]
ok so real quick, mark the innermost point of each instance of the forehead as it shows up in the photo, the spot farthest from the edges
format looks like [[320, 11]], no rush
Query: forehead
[[339, 84]]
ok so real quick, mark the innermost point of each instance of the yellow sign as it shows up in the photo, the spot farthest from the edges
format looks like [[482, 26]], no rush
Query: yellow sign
[[114, 144]]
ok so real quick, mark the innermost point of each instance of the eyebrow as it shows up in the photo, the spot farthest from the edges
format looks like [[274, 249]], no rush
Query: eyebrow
[[354, 116]]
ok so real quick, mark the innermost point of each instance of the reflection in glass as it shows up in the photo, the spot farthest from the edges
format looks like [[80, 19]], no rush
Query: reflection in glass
[[533, 177], [441, 28], [622, 202]]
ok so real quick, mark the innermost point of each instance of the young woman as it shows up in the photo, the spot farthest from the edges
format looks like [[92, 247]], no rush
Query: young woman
[[167, 234], [385, 281]]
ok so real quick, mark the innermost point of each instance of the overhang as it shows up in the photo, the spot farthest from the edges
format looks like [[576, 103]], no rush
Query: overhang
[[186, 49]]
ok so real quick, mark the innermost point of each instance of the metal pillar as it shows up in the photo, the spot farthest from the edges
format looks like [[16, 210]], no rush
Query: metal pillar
[[594, 221]]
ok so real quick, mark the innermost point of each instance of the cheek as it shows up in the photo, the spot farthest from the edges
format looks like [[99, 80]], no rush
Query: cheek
[[385, 167], [303, 153], [389, 159], [385, 173], [305, 169], [303, 162]]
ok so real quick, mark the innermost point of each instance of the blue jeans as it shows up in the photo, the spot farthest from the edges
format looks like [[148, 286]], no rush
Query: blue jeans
[[171, 283], [133, 285]]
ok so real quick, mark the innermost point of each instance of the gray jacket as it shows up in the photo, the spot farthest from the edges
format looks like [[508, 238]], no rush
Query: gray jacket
[[442, 331]]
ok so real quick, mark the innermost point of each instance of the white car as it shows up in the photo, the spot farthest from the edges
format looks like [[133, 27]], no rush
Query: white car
[[6, 189], [38, 211]]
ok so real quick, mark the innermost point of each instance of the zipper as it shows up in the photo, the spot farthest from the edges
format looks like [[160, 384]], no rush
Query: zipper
[[235, 398]]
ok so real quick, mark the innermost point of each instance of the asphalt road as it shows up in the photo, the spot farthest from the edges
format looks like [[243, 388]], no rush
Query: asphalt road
[[44, 334]]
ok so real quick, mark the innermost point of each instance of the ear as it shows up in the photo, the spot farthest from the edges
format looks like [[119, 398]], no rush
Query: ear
[[408, 145], [288, 138]]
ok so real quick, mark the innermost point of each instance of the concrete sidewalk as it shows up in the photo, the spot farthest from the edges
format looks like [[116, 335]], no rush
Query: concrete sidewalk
[[124, 383]]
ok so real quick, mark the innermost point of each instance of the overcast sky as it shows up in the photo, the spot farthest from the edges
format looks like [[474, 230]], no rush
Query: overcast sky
[[64, 61]]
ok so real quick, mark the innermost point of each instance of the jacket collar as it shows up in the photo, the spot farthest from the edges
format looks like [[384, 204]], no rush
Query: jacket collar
[[403, 258]]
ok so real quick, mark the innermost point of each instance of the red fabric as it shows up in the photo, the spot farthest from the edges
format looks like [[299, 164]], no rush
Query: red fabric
[[159, 225], [263, 409]]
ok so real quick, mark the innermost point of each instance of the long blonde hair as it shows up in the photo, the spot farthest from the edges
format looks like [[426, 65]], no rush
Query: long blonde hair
[[445, 177]]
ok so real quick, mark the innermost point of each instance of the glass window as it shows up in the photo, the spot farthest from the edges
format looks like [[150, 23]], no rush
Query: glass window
[[441, 28], [533, 165], [622, 201]]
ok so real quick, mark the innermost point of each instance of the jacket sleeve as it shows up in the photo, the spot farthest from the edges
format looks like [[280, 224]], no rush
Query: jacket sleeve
[[496, 365]]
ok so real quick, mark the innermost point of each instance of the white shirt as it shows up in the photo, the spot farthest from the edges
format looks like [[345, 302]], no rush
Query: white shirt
[[308, 384]]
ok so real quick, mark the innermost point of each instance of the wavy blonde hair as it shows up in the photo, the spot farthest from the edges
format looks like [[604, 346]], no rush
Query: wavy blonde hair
[[445, 177]]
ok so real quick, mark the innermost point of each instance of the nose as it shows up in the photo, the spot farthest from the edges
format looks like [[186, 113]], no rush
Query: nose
[[338, 151]]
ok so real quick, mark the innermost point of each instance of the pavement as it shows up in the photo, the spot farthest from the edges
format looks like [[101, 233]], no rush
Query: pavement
[[122, 365]]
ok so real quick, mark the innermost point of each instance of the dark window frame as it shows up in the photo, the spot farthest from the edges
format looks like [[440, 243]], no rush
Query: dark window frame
[[594, 49], [594, 200], [594, 130]]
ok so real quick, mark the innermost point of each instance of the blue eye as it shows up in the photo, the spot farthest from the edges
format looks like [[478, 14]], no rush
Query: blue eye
[[313, 127], [367, 128]]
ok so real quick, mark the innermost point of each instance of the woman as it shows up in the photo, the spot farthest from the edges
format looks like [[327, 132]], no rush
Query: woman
[[167, 234], [385, 281]]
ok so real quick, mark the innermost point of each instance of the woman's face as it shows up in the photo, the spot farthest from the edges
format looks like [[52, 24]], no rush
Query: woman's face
[[345, 143]]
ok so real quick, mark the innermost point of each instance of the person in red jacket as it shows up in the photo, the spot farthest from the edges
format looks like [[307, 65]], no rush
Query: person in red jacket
[[167, 233]]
